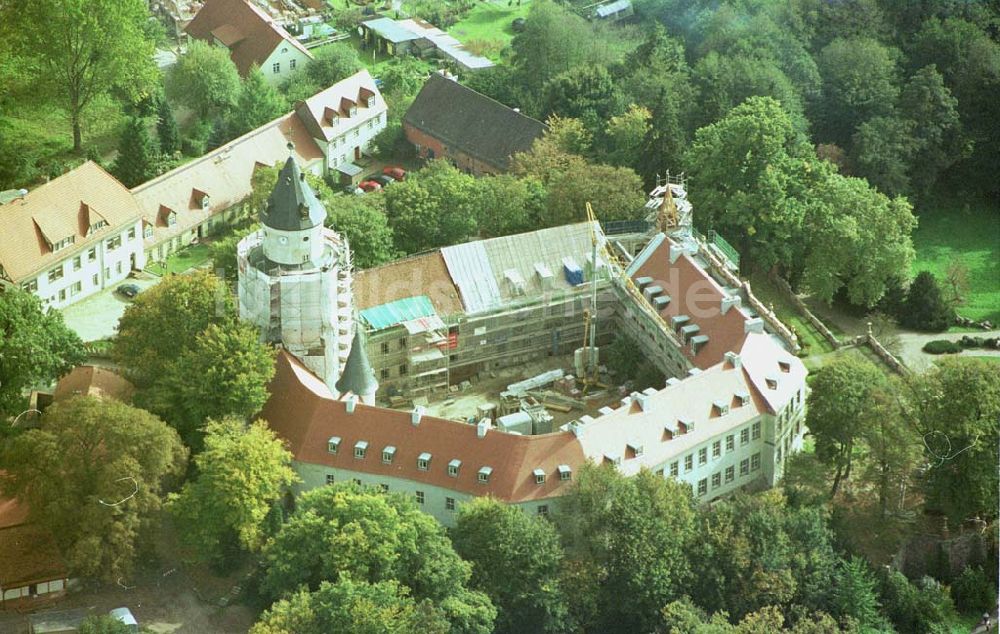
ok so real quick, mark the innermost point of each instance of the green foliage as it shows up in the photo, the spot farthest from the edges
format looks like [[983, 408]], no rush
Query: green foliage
[[383, 607], [626, 134], [974, 592], [222, 251], [77, 473], [925, 307], [242, 472], [204, 79], [587, 93], [101, 49], [167, 132], [103, 624], [853, 593], [941, 346], [138, 157], [956, 406], [362, 219], [37, 347], [627, 541], [859, 82], [625, 359], [342, 531], [402, 76], [433, 207], [224, 371], [684, 617], [331, 64], [882, 150], [614, 192], [515, 561], [258, 103], [164, 319], [919, 608], [507, 205]]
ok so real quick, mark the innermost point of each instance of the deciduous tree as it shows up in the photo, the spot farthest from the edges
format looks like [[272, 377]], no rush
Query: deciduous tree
[[433, 207], [614, 192], [332, 63], [80, 50], [258, 103], [205, 79], [242, 472], [507, 205], [362, 219], [36, 347], [92, 475]]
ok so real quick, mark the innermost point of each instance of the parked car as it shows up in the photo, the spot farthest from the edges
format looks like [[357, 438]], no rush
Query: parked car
[[397, 173], [128, 291], [125, 616], [370, 186], [383, 180]]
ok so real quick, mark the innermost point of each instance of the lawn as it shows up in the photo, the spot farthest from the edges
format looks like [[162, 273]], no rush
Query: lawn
[[182, 260], [970, 233], [489, 21], [810, 339]]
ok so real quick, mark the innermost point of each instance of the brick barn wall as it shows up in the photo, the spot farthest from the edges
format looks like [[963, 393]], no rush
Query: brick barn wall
[[461, 160]]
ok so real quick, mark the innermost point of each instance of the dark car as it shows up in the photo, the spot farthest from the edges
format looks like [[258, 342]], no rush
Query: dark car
[[128, 291], [370, 186], [397, 173]]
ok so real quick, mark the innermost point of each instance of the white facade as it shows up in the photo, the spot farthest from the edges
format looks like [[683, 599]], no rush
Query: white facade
[[353, 141], [89, 269], [284, 62]]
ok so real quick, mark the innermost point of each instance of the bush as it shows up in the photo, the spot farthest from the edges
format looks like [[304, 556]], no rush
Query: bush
[[942, 346], [973, 592], [971, 342], [918, 608], [925, 308]]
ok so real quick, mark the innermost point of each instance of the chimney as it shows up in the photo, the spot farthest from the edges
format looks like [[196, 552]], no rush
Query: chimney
[[351, 403], [482, 427], [416, 415]]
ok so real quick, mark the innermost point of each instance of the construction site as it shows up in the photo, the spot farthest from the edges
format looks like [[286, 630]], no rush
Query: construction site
[[511, 329]]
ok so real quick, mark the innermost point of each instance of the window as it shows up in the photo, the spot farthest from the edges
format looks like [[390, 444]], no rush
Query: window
[[31, 286], [744, 467], [114, 242], [453, 467], [384, 373], [730, 444], [385, 347], [756, 430], [360, 448], [291, 64], [131, 233], [716, 449], [55, 274], [118, 268], [484, 475], [702, 456], [565, 472], [424, 461], [357, 133], [539, 476], [716, 480], [62, 244], [330, 478], [402, 369], [449, 504], [276, 67], [353, 112], [673, 469], [688, 462], [730, 474], [420, 497], [147, 231], [75, 289], [702, 486], [744, 436], [97, 226], [95, 280], [543, 510], [401, 343], [387, 454], [77, 263], [755, 461]]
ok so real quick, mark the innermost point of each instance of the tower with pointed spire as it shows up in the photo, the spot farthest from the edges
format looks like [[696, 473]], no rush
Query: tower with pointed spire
[[358, 377], [295, 278]]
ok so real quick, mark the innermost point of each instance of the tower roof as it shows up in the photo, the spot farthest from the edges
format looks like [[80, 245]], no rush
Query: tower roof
[[292, 205], [358, 377]]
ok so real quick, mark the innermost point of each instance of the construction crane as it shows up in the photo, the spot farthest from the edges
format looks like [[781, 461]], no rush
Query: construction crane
[[590, 374]]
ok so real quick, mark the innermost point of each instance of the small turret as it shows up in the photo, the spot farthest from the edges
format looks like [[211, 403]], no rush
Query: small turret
[[358, 377]]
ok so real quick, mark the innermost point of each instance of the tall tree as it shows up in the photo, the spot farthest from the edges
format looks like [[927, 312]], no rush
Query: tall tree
[[80, 50], [332, 63], [625, 134], [223, 372], [587, 93], [627, 540], [166, 129], [242, 472], [838, 410], [925, 307], [258, 103], [433, 207], [507, 204], [515, 560], [138, 157], [92, 475], [615, 193], [205, 79], [362, 219], [36, 347], [882, 151]]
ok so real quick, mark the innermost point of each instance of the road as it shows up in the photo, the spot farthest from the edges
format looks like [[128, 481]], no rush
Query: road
[[911, 344]]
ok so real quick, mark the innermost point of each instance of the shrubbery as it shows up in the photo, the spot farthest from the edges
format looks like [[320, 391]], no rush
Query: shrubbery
[[973, 592], [942, 346]]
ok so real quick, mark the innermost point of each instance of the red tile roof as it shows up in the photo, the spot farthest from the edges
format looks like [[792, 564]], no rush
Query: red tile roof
[[304, 413], [27, 552], [250, 34], [419, 275], [88, 380], [695, 293]]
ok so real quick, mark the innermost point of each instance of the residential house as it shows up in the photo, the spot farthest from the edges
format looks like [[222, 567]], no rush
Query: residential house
[[414, 36], [252, 37], [71, 237], [31, 569], [343, 119], [478, 134]]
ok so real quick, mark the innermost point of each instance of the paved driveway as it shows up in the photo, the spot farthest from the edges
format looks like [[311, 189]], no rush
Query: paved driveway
[[910, 345], [96, 317]]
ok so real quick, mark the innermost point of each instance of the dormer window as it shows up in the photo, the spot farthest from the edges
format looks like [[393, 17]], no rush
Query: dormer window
[[772, 383], [539, 476], [743, 397], [424, 461], [333, 444], [686, 424], [370, 102], [634, 448], [613, 458], [785, 366], [97, 226], [453, 467], [65, 242], [360, 448], [353, 111], [388, 454], [484, 475], [204, 201], [721, 408], [565, 472]]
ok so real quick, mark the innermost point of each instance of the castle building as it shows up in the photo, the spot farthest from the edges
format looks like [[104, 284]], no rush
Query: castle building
[[295, 278]]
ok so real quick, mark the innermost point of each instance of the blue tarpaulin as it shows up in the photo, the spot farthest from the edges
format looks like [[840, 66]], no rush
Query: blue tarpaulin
[[388, 315]]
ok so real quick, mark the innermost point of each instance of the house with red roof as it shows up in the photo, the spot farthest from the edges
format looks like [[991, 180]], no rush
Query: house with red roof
[[31, 569]]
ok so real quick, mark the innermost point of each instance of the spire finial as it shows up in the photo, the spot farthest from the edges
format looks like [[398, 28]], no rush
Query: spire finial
[[291, 148]]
